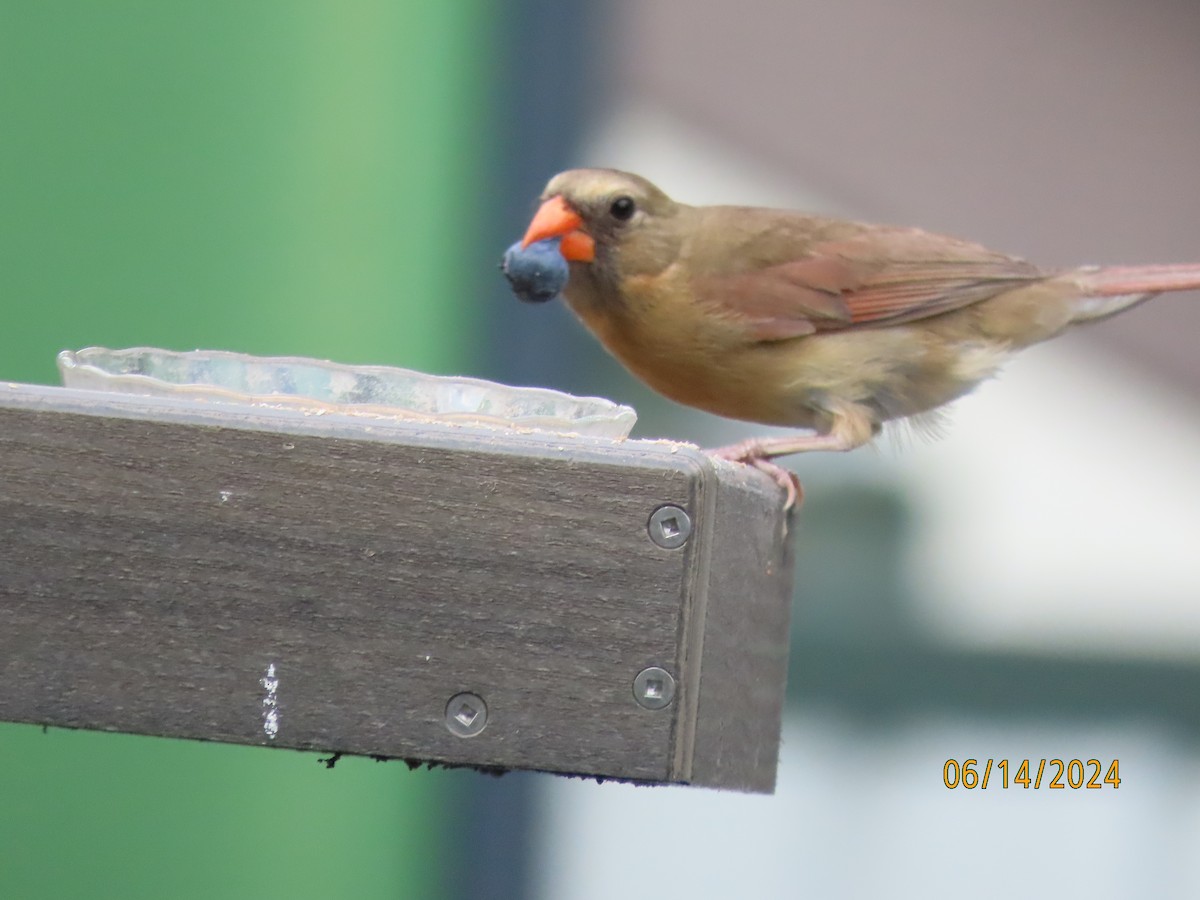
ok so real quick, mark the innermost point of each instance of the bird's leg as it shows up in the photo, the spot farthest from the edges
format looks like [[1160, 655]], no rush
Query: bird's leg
[[785, 445], [851, 427]]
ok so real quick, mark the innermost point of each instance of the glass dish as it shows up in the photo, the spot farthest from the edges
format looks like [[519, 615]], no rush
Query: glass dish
[[221, 376]]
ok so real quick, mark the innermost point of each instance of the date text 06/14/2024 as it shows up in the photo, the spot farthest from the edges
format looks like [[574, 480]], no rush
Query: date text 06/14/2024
[[1055, 774]]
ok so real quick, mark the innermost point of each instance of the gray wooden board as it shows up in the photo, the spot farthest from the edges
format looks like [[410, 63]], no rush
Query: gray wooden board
[[157, 556], [749, 575]]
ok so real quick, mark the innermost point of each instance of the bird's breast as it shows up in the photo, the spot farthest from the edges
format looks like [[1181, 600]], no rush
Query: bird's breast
[[689, 354]]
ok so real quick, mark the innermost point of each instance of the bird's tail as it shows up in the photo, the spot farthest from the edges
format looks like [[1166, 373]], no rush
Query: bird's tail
[[1107, 290]]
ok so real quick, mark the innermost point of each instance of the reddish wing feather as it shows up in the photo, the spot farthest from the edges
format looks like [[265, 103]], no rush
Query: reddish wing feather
[[778, 302], [880, 277]]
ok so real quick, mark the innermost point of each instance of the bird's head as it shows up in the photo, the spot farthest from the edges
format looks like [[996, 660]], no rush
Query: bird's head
[[596, 211]]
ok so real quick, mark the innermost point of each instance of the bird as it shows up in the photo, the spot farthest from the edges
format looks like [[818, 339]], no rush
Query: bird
[[804, 321]]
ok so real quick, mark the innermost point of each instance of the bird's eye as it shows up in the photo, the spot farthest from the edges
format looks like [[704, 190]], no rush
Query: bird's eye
[[622, 209]]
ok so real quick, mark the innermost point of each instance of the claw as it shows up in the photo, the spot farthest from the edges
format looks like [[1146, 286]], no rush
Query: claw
[[748, 453], [785, 478]]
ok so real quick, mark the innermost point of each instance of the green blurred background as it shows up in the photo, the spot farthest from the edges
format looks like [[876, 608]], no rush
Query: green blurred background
[[269, 177]]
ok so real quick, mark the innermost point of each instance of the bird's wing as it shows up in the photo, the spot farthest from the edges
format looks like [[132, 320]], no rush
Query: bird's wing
[[879, 276]]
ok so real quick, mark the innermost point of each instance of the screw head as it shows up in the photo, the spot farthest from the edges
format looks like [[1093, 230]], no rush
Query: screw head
[[654, 688], [669, 526], [466, 714]]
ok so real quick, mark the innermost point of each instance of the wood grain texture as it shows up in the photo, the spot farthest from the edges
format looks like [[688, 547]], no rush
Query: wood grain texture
[[748, 580], [156, 556]]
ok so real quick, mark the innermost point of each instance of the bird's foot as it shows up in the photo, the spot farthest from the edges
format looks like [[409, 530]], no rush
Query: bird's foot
[[750, 453]]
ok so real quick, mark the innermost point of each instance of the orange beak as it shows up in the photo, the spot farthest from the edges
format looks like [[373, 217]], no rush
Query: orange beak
[[554, 219]]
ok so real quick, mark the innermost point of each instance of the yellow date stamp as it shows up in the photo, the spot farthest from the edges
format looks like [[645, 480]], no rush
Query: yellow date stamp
[[1052, 774]]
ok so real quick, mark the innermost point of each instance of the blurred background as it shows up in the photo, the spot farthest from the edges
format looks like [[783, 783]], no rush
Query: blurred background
[[339, 179]]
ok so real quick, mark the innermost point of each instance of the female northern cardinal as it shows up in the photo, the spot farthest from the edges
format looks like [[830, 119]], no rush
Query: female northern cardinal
[[789, 319]]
